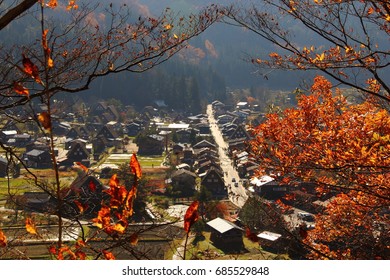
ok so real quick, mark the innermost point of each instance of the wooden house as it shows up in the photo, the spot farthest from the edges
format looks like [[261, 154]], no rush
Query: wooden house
[[99, 144], [204, 144], [151, 145], [239, 133], [19, 140], [205, 166], [109, 133], [226, 235], [106, 112], [77, 153], [41, 202], [132, 129], [78, 132], [183, 182], [38, 159], [88, 192], [213, 181]]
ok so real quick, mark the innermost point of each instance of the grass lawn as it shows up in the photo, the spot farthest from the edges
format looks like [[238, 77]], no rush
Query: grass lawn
[[25, 182], [145, 162], [151, 161], [205, 250], [17, 185]]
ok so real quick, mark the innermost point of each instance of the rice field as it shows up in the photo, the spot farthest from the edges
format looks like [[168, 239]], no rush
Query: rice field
[[146, 162]]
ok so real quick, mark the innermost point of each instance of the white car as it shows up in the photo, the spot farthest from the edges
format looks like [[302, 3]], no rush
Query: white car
[[306, 217]]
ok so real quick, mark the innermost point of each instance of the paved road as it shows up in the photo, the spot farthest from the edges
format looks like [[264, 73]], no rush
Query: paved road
[[238, 194]]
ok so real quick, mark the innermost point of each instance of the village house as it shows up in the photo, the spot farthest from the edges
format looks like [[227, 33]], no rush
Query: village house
[[183, 183], [8, 169], [110, 135], [132, 129], [41, 202], [88, 191], [183, 136], [78, 132], [213, 181], [99, 146], [205, 166], [177, 149], [78, 152], [38, 159], [204, 144], [226, 235], [188, 156], [151, 145], [19, 140], [269, 188], [239, 133], [106, 112], [203, 128], [5, 135]]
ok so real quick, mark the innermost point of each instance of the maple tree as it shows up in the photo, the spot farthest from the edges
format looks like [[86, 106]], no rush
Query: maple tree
[[66, 58], [346, 40], [343, 149]]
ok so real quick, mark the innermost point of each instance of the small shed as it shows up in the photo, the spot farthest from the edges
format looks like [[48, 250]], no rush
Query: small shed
[[226, 235], [270, 241]]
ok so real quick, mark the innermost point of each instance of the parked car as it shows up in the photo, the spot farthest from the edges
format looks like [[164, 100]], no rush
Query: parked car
[[306, 217]]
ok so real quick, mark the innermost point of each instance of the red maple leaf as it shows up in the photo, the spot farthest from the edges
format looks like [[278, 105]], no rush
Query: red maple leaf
[[31, 69], [191, 215], [135, 166]]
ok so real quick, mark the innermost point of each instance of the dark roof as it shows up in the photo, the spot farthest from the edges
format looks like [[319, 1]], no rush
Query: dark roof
[[35, 153], [183, 171], [203, 143]]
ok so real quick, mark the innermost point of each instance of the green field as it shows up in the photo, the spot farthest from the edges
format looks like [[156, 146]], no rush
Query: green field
[[146, 162]]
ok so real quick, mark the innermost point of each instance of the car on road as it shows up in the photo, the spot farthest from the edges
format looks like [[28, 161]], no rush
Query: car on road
[[306, 216]]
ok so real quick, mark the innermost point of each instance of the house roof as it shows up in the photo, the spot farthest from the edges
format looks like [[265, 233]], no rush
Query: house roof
[[222, 225], [261, 181], [9, 132], [178, 126], [35, 153], [36, 197], [269, 235], [183, 171], [203, 143], [182, 166], [157, 137]]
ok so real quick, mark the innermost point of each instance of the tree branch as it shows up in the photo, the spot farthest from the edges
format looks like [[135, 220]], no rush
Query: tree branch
[[15, 12]]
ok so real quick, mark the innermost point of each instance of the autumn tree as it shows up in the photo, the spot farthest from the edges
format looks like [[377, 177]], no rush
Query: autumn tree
[[342, 148], [78, 42], [346, 40]]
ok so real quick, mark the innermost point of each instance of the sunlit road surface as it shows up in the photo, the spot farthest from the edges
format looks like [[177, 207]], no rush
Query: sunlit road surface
[[237, 195]]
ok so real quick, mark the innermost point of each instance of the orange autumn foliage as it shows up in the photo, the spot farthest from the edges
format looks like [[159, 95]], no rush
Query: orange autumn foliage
[[113, 217], [344, 149], [191, 216], [30, 226], [31, 69], [108, 255], [3, 239], [135, 166], [20, 89], [45, 120]]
